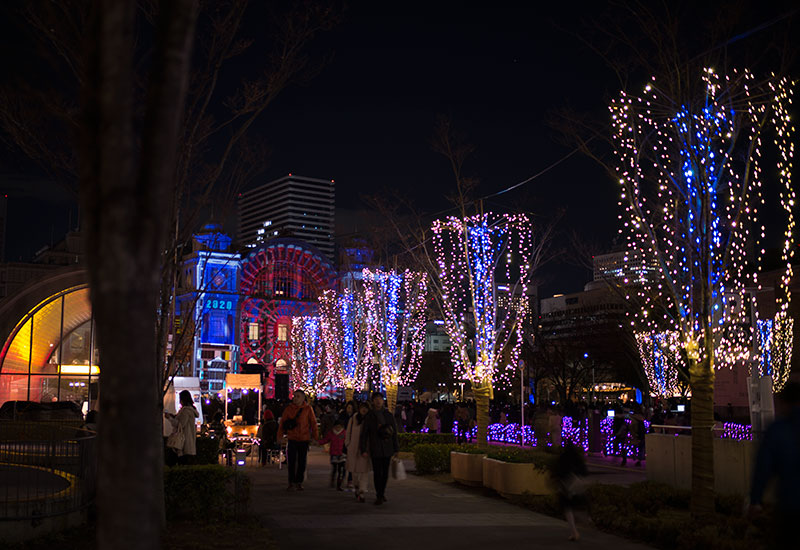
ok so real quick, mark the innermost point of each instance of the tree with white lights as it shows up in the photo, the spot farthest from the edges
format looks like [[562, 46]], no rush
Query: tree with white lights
[[344, 331], [483, 317], [396, 303], [309, 370], [690, 171]]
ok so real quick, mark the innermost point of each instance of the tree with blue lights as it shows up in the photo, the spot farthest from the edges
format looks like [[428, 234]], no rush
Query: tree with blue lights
[[344, 331], [309, 370], [396, 303], [691, 178], [482, 317]]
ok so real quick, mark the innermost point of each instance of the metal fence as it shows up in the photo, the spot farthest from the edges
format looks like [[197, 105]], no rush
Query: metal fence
[[46, 469]]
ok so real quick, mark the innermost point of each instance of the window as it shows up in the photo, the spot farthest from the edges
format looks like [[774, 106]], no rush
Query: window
[[252, 331], [283, 333]]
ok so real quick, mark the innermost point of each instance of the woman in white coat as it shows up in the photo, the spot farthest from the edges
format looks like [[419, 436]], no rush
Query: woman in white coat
[[357, 464], [184, 422]]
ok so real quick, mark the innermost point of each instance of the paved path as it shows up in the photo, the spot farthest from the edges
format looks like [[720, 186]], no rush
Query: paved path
[[421, 513]]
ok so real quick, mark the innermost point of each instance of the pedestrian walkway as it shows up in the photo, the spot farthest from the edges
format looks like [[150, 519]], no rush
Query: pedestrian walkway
[[419, 513]]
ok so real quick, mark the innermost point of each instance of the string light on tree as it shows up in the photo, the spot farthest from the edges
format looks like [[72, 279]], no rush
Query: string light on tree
[[485, 338], [662, 359], [395, 305], [309, 371], [692, 192], [344, 332]]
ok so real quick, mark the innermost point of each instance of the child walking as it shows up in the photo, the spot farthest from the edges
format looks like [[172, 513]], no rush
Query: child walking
[[336, 439]]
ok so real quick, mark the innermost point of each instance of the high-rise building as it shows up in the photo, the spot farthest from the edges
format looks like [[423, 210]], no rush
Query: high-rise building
[[628, 267], [291, 206]]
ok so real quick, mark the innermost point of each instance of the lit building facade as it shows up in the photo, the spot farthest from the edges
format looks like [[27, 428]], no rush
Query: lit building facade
[[280, 279], [207, 309], [291, 206]]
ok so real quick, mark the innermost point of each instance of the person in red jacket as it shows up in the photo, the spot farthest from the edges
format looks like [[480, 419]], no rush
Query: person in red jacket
[[336, 439], [299, 425]]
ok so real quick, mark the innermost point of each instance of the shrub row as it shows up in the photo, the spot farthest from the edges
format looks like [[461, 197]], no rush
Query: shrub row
[[410, 440], [659, 515], [205, 493], [431, 458], [541, 460]]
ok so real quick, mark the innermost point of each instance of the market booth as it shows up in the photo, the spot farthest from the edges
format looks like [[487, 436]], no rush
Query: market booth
[[244, 383]]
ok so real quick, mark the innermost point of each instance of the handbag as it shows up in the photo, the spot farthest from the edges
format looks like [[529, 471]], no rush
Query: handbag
[[398, 469], [176, 439], [291, 423]]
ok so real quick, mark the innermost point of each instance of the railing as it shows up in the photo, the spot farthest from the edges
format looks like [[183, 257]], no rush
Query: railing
[[46, 469]]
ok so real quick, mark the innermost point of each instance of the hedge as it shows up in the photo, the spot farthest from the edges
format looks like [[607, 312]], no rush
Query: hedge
[[409, 440], [431, 458], [435, 457], [205, 493], [659, 515], [540, 459]]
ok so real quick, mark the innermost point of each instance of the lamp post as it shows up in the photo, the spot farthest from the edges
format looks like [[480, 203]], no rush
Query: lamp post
[[522, 402], [586, 356]]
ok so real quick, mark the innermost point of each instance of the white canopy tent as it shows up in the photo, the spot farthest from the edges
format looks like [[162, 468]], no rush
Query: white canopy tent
[[243, 382]]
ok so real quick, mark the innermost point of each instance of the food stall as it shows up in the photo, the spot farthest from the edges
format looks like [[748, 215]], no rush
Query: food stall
[[244, 436]]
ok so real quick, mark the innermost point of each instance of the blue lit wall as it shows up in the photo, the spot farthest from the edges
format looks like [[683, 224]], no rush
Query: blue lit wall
[[220, 301]]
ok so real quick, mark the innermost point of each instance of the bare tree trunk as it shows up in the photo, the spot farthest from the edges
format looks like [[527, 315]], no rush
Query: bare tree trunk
[[482, 394], [125, 209], [391, 397], [702, 382]]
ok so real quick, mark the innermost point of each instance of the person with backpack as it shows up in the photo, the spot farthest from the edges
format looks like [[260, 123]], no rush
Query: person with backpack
[[379, 441], [299, 425]]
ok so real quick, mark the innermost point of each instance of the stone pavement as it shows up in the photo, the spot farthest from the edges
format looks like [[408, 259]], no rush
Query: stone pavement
[[420, 513]]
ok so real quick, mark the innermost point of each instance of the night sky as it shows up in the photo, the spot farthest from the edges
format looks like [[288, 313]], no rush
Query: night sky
[[366, 120]]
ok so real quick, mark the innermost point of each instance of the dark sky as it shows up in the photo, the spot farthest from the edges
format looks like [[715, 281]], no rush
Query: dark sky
[[497, 71]]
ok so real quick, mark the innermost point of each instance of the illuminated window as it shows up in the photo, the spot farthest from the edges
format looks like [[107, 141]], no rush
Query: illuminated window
[[252, 331], [283, 333]]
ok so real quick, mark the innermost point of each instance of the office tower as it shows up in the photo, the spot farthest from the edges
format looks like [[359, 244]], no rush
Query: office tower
[[291, 206]]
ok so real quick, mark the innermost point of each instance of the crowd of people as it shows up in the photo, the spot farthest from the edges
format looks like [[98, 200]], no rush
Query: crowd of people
[[360, 437]]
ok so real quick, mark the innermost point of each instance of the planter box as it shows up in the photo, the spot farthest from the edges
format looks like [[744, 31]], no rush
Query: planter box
[[669, 460], [508, 478], [467, 468]]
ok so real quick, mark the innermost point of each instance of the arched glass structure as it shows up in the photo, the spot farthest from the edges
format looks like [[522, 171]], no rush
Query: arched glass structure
[[51, 354]]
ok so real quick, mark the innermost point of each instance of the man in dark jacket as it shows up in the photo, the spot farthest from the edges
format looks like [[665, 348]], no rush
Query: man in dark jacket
[[379, 441]]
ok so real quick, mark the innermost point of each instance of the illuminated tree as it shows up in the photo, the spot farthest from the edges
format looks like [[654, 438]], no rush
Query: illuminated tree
[[691, 179], [396, 305], [309, 371], [471, 252], [344, 332]]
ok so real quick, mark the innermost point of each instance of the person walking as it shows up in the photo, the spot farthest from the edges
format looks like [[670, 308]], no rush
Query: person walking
[[299, 425], [379, 441], [569, 466], [184, 429], [357, 464]]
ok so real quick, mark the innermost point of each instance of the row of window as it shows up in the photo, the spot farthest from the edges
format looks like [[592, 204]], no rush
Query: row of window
[[253, 332]]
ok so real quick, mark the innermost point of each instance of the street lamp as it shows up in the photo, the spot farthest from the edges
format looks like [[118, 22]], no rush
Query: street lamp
[[522, 402]]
